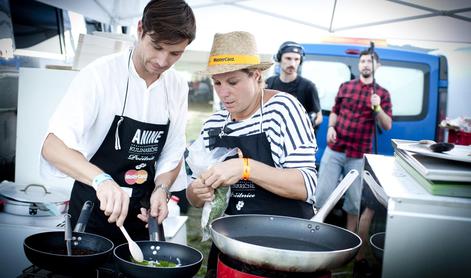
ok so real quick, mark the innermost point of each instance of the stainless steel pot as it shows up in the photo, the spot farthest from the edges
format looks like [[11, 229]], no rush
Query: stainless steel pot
[[32, 200]]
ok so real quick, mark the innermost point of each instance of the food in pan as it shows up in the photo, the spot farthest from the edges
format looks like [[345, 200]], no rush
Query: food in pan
[[160, 263]]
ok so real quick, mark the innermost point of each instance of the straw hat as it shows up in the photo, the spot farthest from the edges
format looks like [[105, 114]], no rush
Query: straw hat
[[234, 51]]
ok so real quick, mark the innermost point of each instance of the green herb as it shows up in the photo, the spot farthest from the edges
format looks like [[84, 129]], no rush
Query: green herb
[[160, 263], [218, 206]]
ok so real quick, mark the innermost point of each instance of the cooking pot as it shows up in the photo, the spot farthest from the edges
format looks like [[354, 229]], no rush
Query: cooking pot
[[32, 200], [287, 243], [377, 239], [377, 245]]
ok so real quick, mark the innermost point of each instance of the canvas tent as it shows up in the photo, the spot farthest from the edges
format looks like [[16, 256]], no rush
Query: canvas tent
[[438, 25], [273, 21]]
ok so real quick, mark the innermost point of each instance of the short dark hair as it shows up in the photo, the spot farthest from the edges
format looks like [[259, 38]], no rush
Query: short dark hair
[[369, 52], [170, 21]]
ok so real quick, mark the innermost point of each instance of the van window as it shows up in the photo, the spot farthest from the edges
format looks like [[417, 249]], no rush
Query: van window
[[328, 76], [406, 82], [406, 86]]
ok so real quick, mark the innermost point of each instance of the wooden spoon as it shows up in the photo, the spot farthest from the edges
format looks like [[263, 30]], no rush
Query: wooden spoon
[[134, 249]]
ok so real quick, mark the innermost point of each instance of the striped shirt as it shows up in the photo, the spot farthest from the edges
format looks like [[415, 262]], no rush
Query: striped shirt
[[288, 130]]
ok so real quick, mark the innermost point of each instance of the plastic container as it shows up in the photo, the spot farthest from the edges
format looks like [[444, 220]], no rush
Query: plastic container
[[459, 137], [173, 207]]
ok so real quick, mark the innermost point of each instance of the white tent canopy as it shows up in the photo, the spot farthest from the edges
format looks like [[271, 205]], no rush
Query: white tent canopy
[[432, 24], [275, 21]]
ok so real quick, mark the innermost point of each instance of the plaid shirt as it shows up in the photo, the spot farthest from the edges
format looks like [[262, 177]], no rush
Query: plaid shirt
[[355, 119]]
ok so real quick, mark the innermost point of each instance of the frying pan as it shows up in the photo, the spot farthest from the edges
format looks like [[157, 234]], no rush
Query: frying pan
[[377, 245], [288, 243], [89, 251], [188, 258]]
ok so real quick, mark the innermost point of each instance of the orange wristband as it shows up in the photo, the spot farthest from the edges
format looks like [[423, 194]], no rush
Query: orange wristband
[[246, 171]]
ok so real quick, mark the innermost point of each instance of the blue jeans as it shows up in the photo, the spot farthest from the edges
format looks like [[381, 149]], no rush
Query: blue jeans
[[335, 165]]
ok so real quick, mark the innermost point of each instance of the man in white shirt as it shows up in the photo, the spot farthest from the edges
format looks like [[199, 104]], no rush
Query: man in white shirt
[[120, 129]]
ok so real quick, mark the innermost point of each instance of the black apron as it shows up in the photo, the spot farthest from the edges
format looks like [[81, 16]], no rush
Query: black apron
[[247, 197], [128, 153]]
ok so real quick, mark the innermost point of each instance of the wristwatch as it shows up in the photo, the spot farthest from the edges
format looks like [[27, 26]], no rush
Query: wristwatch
[[165, 188]]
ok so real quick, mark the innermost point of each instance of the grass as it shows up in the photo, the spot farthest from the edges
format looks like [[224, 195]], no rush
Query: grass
[[194, 237], [197, 114]]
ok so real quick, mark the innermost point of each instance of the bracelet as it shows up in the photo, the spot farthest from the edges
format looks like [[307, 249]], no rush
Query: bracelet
[[99, 179], [246, 171], [377, 108], [167, 191]]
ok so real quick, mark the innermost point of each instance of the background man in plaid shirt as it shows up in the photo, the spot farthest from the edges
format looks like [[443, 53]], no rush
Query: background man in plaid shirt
[[350, 133]]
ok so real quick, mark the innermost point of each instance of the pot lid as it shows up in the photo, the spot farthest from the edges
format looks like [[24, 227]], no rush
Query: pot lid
[[32, 193]]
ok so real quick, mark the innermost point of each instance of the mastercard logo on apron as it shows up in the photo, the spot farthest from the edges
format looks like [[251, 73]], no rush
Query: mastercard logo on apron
[[135, 176]]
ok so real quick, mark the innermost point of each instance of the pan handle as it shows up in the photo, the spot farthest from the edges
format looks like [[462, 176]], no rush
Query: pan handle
[[156, 231], [68, 234], [346, 182], [83, 217], [377, 190]]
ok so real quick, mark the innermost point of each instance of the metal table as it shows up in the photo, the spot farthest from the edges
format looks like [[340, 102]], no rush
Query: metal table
[[426, 235]]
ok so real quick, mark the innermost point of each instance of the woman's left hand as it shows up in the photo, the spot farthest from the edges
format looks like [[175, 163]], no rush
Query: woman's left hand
[[223, 173]]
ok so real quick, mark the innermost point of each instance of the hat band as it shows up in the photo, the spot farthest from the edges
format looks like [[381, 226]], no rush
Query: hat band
[[233, 60]]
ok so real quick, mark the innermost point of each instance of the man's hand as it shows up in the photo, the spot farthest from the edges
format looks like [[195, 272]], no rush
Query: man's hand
[[375, 100], [318, 119], [158, 204], [331, 135], [114, 201]]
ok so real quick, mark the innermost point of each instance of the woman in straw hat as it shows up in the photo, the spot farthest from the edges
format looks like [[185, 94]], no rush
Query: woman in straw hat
[[275, 173]]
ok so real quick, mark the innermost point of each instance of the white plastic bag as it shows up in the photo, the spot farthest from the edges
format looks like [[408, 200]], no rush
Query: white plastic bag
[[199, 159]]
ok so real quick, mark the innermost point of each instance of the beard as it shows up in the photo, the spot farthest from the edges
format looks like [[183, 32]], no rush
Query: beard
[[366, 74]]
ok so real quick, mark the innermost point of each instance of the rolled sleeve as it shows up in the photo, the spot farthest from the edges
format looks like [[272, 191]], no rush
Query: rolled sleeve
[[304, 160]]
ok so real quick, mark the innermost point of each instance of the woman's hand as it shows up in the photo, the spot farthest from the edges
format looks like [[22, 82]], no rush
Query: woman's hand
[[223, 173], [201, 191]]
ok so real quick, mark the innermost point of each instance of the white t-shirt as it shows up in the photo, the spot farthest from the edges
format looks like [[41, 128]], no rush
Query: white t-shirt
[[97, 94]]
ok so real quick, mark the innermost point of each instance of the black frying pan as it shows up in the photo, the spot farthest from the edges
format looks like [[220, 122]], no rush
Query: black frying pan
[[89, 251], [287, 243], [377, 245], [188, 258]]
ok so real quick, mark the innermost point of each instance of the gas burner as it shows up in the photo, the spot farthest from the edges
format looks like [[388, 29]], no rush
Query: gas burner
[[37, 272], [229, 267]]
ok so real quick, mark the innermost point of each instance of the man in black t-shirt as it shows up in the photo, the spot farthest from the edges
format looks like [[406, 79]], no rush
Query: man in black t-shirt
[[290, 56]]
